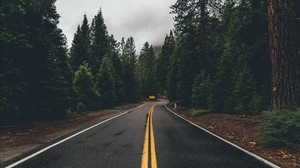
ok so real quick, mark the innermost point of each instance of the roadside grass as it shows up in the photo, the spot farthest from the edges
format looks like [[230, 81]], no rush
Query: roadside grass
[[199, 112]]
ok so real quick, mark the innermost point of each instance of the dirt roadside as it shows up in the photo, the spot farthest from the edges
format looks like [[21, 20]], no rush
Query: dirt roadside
[[15, 141], [242, 131]]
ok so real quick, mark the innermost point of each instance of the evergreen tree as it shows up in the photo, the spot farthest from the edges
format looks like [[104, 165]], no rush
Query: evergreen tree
[[75, 52], [100, 42], [192, 19], [201, 90], [15, 46], [50, 70], [172, 75], [223, 84], [244, 90], [146, 58], [147, 77], [128, 59], [185, 75], [41, 60], [81, 46], [106, 83], [113, 53], [163, 61], [84, 87]]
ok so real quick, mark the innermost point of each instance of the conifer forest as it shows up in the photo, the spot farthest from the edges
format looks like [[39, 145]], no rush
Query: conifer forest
[[226, 56]]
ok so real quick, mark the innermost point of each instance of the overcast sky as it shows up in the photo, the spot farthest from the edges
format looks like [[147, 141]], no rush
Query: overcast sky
[[144, 20]]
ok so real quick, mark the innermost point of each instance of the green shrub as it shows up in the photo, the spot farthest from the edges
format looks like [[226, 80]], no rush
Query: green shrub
[[281, 129], [84, 87], [257, 104], [81, 107], [198, 112]]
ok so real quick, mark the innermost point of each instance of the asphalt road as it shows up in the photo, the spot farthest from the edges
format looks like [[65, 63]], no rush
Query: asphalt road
[[120, 142]]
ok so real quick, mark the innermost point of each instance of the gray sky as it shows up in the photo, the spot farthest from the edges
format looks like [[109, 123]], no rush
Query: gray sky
[[144, 20]]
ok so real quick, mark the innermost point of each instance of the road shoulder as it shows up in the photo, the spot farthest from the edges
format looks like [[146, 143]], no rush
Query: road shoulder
[[16, 141], [242, 131]]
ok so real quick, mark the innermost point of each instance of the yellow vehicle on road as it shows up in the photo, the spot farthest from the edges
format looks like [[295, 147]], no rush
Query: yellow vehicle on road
[[152, 97]]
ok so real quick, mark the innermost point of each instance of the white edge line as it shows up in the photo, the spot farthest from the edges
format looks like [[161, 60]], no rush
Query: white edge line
[[59, 142], [228, 142]]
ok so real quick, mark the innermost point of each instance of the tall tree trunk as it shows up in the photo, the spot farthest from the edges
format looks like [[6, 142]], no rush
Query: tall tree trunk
[[285, 59]]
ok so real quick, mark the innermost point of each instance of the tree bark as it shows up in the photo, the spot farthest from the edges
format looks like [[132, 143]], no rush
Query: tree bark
[[284, 52]]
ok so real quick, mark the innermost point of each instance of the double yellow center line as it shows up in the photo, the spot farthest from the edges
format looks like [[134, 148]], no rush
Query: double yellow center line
[[149, 141]]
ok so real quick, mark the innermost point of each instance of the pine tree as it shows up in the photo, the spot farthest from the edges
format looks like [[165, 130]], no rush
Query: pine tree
[[201, 90], [223, 84], [191, 19], [75, 52], [81, 46], [106, 83], [43, 89], [128, 59], [171, 76], [48, 69], [84, 87], [163, 61], [100, 42], [185, 76], [244, 90], [113, 53], [15, 46], [147, 77], [146, 59]]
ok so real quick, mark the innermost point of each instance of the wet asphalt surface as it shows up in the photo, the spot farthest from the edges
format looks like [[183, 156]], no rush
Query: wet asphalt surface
[[118, 143]]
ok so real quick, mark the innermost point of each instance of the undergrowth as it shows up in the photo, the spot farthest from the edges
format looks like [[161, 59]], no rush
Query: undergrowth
[[198, 112], [281, 129]]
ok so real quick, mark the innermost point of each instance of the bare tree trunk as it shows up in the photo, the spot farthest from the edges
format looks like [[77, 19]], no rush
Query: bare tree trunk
[[285, 59]]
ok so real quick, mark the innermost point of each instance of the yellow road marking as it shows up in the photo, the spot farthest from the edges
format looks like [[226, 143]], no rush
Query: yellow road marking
[[149, 132], [146, 146], [152, 145]]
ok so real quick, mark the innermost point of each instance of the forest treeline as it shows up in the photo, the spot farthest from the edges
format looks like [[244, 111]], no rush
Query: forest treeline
[[42, 79], [220, 59], [217, 57]]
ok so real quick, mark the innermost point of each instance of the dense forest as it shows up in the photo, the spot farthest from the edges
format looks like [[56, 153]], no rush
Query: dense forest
[[217, 57]]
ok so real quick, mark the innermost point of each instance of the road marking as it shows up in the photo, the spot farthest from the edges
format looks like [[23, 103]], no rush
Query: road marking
[[72, 136], [152, 145], [149, 132], [146, 145], [228, 142]]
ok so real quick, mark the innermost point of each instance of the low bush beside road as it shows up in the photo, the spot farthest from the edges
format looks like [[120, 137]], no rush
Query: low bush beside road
[[281, 129]]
